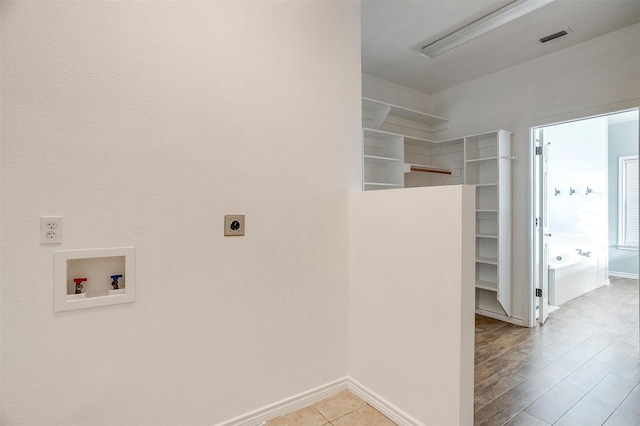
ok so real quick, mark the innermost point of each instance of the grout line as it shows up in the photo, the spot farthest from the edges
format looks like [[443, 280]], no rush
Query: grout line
[[323, 416]]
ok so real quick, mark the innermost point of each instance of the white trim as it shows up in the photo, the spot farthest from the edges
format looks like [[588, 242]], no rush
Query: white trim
[[288, 405], [622, 198], [627, 248], [304, 399], [504, 318], [394, 414], [624, 275]]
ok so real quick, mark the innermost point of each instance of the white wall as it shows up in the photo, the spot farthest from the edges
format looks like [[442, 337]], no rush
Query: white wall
[[143, 123], [577, 159], [594, 74], [411, 301]]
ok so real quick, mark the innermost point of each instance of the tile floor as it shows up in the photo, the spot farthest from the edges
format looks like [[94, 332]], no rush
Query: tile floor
[[581, 368], [343, 409]]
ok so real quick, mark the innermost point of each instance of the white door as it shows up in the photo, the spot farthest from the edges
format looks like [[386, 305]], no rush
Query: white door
[[541, 254]]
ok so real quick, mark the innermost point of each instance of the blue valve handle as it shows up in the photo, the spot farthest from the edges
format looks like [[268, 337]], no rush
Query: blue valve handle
[[114, 282]]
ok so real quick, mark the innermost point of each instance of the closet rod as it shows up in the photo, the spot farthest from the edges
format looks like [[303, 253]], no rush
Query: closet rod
[[426, 170]]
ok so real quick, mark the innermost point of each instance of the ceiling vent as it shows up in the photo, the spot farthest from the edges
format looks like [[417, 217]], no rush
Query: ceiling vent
[[557, 35]]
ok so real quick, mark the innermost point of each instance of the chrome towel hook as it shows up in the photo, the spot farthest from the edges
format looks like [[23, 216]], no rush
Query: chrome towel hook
[[557, 191], [571, 191], [589, 191]]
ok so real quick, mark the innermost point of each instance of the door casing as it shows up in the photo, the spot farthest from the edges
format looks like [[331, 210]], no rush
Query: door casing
[[533, 235]]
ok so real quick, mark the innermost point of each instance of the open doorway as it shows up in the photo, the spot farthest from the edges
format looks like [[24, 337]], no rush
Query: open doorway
[[586, 207]]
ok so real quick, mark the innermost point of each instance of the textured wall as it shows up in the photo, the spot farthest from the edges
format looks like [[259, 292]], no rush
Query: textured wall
[[143, 123]]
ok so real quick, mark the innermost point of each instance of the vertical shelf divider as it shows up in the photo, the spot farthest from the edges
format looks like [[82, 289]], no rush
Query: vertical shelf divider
[[488, 167]]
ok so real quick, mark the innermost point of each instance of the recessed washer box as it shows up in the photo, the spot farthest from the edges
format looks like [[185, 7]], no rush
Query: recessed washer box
[[97, 266]]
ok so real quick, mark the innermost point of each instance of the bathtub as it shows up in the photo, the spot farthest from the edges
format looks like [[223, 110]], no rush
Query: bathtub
[[570, 276]]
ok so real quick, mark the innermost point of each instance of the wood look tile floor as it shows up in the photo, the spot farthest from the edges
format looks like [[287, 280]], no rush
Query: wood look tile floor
[[581, 368], [343, 409]]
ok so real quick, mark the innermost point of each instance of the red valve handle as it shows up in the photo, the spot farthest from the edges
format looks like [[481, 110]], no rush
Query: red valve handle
[[79, 280]]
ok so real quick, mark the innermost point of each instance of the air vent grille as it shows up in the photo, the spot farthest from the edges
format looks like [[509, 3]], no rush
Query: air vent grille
[[554, 36]]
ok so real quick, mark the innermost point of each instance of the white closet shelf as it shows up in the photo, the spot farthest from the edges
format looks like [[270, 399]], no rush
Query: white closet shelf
[[380, 134], [411, 140], [401, 112], [379, 159], [486, 211], [485, 184], [482, 160], [383, 184], [486, 236], [487, 285], [487, 260]]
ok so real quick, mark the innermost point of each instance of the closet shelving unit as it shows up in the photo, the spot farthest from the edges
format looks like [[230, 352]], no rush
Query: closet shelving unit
[[384, 151], [395, 159], [487, 164], [383, 166]]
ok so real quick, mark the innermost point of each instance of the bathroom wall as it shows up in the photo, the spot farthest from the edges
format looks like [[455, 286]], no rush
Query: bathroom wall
[[143, 124], [574, 82], [577, 160], [623, 140]]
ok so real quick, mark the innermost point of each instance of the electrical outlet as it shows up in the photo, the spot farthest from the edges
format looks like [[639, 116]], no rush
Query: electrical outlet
[[233, 225], [51, 230]]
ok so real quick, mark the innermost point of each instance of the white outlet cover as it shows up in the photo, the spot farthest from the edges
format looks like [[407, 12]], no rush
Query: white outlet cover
[[51, 230]]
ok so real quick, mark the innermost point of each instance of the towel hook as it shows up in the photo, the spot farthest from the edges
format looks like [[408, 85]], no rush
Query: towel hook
[[589, 191], [571, 191], [557, 191]]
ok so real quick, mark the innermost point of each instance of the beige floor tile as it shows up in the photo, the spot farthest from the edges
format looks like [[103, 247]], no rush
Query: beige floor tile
[[307, 416], [339, 405], [365, 416]]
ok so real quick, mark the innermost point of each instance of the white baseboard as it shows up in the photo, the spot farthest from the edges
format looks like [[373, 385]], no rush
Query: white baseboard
[[285, 406], [280, 408], [623, 275], [385, 407], [511, 320]]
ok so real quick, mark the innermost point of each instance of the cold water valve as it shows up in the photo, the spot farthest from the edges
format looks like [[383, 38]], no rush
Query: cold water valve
[[79, 285], [114, 281]]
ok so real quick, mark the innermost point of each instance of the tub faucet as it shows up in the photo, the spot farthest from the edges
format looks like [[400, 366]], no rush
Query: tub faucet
[[583, 253]]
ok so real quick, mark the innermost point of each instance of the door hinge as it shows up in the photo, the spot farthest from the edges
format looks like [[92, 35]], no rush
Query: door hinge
[[538, 150], [538, 292]]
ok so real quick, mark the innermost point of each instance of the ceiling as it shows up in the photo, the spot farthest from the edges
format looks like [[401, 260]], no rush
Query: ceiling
[[394, 31]]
